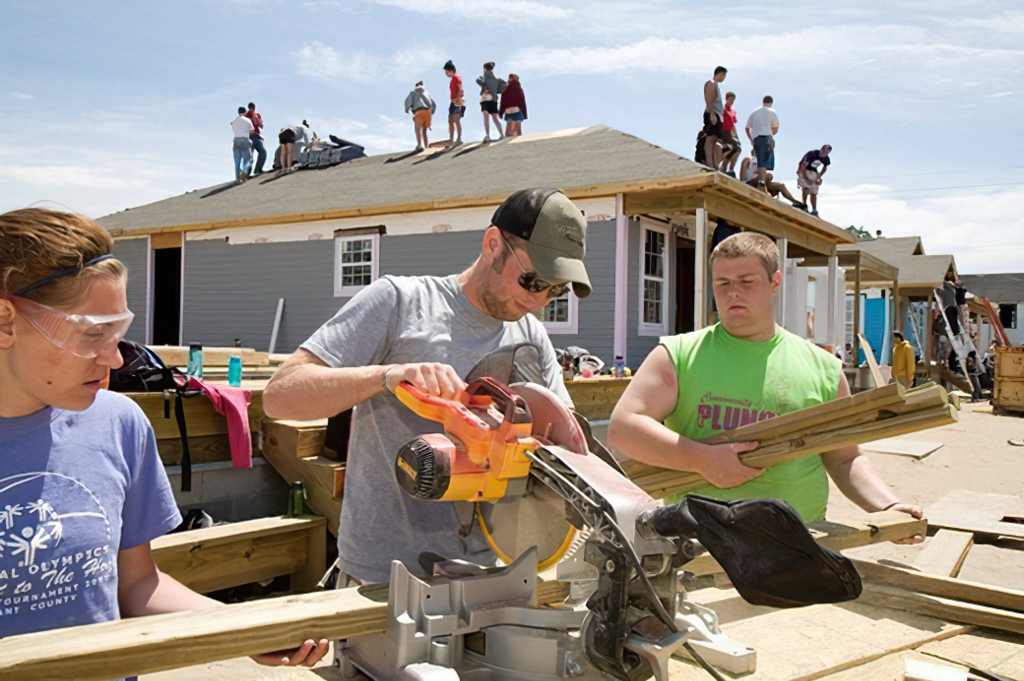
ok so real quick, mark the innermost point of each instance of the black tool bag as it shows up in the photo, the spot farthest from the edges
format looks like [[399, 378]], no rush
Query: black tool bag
[[144, 371], [769, 555]]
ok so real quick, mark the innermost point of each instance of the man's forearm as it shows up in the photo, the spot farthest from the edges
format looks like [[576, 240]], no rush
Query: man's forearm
[[857, 479], [644, 439], [311, 391]]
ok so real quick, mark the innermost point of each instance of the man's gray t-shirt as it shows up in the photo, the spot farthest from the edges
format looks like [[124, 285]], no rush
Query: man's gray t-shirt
[[402, 320]]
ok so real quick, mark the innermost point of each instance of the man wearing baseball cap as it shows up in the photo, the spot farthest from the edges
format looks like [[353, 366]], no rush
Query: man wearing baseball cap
[[430, 331]]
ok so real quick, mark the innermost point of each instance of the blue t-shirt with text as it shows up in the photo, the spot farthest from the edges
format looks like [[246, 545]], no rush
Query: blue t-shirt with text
[[75, 488]]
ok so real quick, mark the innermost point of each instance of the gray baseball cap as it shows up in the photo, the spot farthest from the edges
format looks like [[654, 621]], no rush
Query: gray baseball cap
[[555, 231]]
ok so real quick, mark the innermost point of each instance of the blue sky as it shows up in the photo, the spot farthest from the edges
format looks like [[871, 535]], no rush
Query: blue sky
[[109, 105]]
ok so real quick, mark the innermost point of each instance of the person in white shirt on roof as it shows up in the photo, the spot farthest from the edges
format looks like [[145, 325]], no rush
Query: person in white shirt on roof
[[242, 147], [762, 126]]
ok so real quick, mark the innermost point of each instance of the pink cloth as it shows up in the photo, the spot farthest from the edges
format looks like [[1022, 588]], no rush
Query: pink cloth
[[233, 404]]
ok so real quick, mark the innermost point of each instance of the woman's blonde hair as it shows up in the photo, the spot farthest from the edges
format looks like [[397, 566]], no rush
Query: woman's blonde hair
[[36, 242]]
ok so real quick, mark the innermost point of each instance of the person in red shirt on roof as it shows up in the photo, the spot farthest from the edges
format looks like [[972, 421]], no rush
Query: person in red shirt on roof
[[513, 106], [457, 107], [730, 137], [256, 137]]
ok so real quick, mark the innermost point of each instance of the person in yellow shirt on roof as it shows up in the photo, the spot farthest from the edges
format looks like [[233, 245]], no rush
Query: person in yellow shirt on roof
[[903, 361]]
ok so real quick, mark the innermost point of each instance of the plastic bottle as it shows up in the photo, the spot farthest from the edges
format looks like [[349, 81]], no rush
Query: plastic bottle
[[296, 499], [235, 371], [619, 367], [195, 360]]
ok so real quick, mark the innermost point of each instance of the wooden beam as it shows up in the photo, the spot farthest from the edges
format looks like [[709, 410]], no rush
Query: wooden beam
[[304, 438], [869, 355], [700, 269], [944, 553], [200, 417], [839, 536], [678, 183], [177, 356], [761, 220], [664, 202], [230, 555], [946, 587], [595, 398], [946, 609], [144, 645], [169, 240]]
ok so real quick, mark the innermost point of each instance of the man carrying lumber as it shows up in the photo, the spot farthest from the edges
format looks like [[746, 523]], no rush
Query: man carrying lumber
[[431, 332], [695, 386]]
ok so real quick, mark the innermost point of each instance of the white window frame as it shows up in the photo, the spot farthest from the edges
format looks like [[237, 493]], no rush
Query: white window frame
[[339, 241], [653, 329], [570, 327]]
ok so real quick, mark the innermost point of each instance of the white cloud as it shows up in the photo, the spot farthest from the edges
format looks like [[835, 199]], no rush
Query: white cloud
[[22, 96], [384, 134], [981, 230], [323, 62], [508, 10]]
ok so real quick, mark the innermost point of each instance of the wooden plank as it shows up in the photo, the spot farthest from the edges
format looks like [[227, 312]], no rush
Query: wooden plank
[[839, 536], [869, 356], [763, 220], [995, 565], [595, 398], [915, 449], [177, 355], [200, 417], [320, 486], [890, 667], [946, 609], [169, 240], [979, 512], [230, 555], [304, 438], [996, 653], [99, 652], [946, 587], [202, 449], [944, 553], [663, 202]]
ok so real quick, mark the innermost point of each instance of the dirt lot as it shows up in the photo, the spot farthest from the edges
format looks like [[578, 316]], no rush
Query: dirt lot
[[975, 456]]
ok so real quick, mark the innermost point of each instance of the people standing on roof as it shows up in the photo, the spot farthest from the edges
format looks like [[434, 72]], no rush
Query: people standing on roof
[[292, 141], [731, 146], [241, 149], [749, 175], [762, 127], [422, 106], [490, 88], [810, 173], [513, 106], [457, 105], [713, 110], [256, 137]]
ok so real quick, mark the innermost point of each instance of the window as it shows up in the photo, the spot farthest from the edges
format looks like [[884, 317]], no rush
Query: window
[[1008, 315], [654, 283], [356, 263], [561, 315]]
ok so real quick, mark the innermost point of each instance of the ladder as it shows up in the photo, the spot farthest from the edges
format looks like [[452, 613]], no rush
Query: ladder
[[959, 341]]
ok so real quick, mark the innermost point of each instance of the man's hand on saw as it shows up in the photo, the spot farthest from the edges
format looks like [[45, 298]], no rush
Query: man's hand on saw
[[723, 467], [306, 655], [430, 377]]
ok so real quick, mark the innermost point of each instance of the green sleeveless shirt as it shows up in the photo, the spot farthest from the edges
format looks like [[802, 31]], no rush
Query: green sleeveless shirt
[[727, 382]]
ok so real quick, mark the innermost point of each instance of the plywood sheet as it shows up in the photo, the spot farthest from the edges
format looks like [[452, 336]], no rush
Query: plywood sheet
[[944, 553], [997, 653], [810, 643], [993, 514], [916, 449], [995, 565]]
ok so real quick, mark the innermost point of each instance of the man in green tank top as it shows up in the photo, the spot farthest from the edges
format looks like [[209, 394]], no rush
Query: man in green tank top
[[743, 369]]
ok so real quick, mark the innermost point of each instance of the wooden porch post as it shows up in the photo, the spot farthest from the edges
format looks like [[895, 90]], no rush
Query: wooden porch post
[[856, 310], [700, 261], [780, 310], [833, 296]]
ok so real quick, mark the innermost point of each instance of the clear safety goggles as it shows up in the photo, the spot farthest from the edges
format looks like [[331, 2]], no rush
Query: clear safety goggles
[[83, 335]]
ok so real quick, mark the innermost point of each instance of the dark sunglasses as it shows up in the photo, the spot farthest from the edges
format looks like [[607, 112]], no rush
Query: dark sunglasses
[[531, 281]]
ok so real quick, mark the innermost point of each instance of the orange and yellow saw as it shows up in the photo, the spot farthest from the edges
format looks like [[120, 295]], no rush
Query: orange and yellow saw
[[482, 458]]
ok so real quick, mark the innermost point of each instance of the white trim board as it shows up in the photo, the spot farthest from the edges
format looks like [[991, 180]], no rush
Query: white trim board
[[644, 329]]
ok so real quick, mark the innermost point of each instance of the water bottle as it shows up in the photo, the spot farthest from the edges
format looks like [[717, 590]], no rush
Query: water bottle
[[296, 499], [235, 371], [620, 367], [195, 360]]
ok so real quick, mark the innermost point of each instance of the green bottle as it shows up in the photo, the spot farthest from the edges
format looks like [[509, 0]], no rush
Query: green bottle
[[296, 499]]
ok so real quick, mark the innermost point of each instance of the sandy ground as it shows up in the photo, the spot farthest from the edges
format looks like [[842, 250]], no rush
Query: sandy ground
[[975, 456]]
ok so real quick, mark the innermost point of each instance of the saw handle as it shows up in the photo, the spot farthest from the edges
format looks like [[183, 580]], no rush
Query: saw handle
[[668, 521], [513, 407]]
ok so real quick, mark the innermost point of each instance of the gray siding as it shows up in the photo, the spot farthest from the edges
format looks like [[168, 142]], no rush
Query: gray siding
[[134, 253], [637, 346], [597, 311]]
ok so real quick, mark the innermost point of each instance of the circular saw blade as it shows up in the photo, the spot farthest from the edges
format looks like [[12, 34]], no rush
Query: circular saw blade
[[539, 517]]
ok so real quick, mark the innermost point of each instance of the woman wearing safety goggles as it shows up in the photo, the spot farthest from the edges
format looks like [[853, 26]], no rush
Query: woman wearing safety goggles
[[82, 488]]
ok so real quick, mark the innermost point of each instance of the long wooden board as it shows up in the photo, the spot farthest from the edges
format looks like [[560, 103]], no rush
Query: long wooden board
[[947, 609], [944, 553], [224, 556], [980, 512], [200, 417], [838, 536], [177, 355], [99, 652], [947, 587]]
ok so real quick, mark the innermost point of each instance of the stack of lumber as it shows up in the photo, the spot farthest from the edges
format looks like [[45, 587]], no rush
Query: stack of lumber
[[871, 415], [595, 397]]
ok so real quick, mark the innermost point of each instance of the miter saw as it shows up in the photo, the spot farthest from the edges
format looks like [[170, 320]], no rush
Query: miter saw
[[544, 490]]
